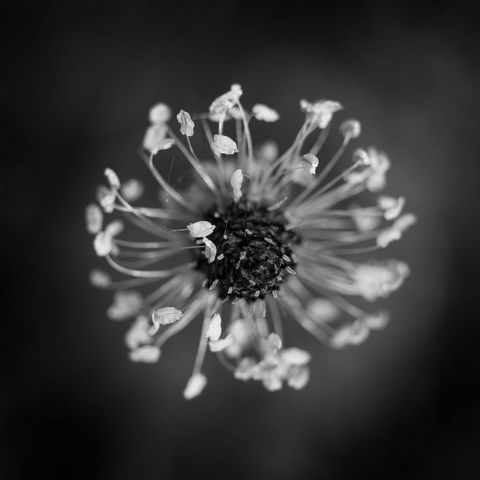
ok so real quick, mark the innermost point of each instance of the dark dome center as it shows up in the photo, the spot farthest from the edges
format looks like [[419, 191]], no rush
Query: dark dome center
[[253, 251]]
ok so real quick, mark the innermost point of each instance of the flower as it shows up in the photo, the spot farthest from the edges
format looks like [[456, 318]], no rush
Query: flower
[[244, 256]]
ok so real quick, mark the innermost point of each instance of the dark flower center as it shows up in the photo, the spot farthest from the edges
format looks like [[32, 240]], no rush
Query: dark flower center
[[253, 251]]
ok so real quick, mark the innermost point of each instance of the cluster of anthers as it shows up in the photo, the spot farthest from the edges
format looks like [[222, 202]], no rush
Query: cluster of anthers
[[253, 238]]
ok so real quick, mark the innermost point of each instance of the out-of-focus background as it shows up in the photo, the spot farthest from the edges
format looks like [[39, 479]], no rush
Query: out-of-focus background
[[78, 80]]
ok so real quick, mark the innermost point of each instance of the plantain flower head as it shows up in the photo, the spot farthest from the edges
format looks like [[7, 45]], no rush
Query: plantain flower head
[[247, 239]]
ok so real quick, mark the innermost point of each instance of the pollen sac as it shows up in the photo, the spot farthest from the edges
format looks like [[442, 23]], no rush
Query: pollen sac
[[254, 252]]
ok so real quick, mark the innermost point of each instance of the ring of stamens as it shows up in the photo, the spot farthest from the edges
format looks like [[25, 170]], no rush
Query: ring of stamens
[[253, 251]]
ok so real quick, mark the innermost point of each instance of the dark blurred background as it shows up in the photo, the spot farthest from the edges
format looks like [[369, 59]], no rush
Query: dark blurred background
[[78, 79]]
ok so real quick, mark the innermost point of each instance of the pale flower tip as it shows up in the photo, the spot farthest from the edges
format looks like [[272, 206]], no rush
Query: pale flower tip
[[322, 310], [102, 244], [195, 385], [100, 279], [223, 145], [214, 328], [186, 123], [222, 104], [352, 334], [404, 222], [112, 178], [160, 114], [221, 344], [200, 229], [145, 354], [93, 218], [387, 236], [320, 112], [377, 321], [295, 356], [268, 151], [236, 88], [164, 316], [392, 206], [351, 128], [106, 198], [155, 139], [137, 334], [374, 280], [361, 156], [114, 228], [263, 113], [311, 162], [298, 377], [245, 369], [132, 190], [274, 342], [126, 303], [236, 181], [210, 251]]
